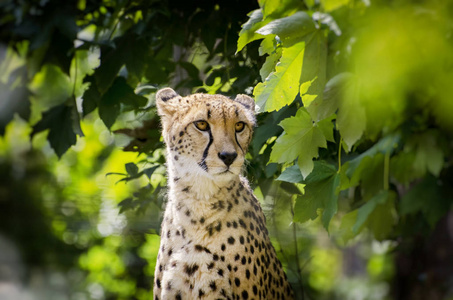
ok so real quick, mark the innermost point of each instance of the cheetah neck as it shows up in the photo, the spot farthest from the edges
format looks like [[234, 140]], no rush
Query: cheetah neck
[[196, 182]]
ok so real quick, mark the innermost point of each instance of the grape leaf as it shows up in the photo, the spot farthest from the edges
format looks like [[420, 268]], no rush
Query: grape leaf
[[291, 174], [270, 63], [351, 118], [345, 232], [281, 87], [319, 194], [91, 97], [247, 33], [385, 145], [277, 9], [269, 127], [131, 169], [314, 71], [268, 45], [112, 59], [321, 171], [326, 126], [59, 121], [300, 140], [119, 97], [427, 197], [429, 156], [382, 219], [365, 210], [296, 25]]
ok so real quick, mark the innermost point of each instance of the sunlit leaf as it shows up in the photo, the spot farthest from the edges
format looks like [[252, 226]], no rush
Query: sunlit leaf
[[270, 63], [301, 140], [314, 71], [351, 118], [248, 31], [282, 87], [296, 25]]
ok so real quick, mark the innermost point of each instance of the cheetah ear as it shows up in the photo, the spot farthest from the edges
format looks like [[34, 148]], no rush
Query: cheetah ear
[[165, 103], [246, 101]]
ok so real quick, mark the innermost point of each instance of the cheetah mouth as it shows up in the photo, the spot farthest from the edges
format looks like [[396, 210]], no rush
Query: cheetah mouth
[[225, 172]]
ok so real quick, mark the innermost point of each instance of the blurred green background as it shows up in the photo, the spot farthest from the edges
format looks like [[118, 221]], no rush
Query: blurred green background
[[352, 158]]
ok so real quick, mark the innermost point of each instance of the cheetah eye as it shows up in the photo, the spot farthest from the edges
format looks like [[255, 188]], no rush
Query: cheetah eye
[[239, 126], [202, 125]]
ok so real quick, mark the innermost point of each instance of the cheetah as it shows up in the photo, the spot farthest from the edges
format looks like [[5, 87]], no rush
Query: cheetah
[[214, 241]]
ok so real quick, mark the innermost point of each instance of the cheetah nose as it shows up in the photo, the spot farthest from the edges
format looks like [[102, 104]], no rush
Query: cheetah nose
[[227, 157]]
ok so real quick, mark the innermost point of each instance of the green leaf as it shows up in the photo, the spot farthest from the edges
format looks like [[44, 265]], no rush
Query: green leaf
[[330, 5], [321, 194], [345, 232], [119, 97], [386, 145], [296, 25], [365, 210], [131, 169], [268, 45], [270, 63], [91, 97], [332, 94], [314, 71], [276, 9], [149, 171], [291, 174], [282, 87], [300, 140], [326, 126], [382, 219], [429, 156], [59, 120], [112, 59], [429, 198], [247, 33], [351, 118], [321, 171], [331, 200], [269, 128]]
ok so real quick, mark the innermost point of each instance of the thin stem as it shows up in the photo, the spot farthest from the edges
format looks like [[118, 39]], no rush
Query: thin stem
[[299, 271], [339, 154], [386, 170], [75, 75]]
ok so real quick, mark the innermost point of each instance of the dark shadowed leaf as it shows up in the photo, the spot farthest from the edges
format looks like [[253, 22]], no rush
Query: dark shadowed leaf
[[119, 97], [59, 120]]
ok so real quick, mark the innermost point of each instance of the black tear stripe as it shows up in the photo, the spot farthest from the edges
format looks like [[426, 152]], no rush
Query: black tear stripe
[[202, 163], [237, 142]]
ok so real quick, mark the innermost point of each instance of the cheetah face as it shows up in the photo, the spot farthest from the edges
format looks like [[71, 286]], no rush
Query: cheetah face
[[206, 134]]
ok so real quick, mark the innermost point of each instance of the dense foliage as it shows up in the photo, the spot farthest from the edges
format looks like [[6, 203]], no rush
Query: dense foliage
[[352, 158]]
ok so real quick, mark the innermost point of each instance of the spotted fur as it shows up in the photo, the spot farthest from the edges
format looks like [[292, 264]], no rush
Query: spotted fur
[[214, 241]]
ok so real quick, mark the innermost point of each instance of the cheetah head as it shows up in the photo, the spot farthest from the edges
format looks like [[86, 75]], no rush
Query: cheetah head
[[206, 135]]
